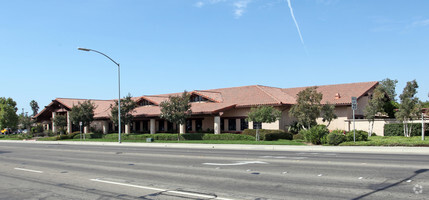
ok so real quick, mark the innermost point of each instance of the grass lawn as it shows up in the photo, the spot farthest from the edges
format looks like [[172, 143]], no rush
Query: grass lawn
[[390, 141]]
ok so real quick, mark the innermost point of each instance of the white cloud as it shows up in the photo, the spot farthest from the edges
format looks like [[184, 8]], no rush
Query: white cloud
[[199, 4], [239, 7], [424, 22]]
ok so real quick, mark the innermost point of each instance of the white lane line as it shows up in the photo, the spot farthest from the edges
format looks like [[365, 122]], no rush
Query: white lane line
[[28, 170], [236, 163], [160, 190]]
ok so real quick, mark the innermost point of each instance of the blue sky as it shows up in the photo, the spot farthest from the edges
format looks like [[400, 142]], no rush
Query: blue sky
[[167, 46]]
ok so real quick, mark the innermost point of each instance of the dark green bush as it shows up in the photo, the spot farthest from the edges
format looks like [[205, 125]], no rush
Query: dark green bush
[[193, 136], [335, 138], [228, 136], [398, 129], [37, 129], [95, 135], [163, 136], [298, 136], [269, 135], [360, 136], [316, 134]]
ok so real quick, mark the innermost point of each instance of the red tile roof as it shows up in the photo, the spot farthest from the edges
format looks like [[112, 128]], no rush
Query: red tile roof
[[228, 98], [345, 91]]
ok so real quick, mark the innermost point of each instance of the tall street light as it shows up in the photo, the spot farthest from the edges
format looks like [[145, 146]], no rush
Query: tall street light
[[119, 88]]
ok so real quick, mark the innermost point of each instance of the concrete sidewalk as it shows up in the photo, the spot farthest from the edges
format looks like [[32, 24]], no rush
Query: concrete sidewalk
[[298, 148]]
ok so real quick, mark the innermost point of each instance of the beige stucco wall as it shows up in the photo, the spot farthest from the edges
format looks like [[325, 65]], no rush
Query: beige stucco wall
[[239, 112], [97, 125], [208, 122]]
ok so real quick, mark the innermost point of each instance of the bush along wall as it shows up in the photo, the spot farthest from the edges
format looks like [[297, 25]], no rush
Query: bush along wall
[[269, 135], [398, 129]]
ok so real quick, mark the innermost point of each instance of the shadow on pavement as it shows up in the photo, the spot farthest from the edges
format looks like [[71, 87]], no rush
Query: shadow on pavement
[[417, 172]]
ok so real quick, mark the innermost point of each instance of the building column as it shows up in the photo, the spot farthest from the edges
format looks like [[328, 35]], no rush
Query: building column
[[105, 127], [54, 128], [127, 128], [134, 126], [217, 125], [238, 124], [182, 128], [86, 129], [225, 124], [250, 125], [69, 124], [152, 126]]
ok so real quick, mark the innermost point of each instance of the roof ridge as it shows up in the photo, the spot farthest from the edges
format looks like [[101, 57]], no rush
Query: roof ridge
[[269, 94], [332, 84], [85, 99]]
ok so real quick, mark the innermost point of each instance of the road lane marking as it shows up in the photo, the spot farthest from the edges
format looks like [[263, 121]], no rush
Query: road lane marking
[[236, 163], [161, 190], [28, 170]]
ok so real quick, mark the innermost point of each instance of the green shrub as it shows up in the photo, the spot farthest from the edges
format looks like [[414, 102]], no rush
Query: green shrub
[[335, 138], [316, 134], [298, 136], [398, 129], [294, 128], [228, 136], [37, 129], [360, 136], [269, 135], [95, 135], [113, 136], [164, 136], [193, 136]]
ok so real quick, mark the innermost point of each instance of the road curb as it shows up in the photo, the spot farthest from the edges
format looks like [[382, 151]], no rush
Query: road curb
[[299, 148]]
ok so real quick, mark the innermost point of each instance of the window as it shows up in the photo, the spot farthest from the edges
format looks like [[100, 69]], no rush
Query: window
[[145, 103], [257, 125], [161, 125], [222, 124], [199, 125], [146, 125], [196, 98], [188, 125], [231, 125], [170, 126], [244, 124]]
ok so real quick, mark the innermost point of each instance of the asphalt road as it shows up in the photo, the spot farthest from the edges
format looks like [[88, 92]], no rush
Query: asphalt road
[[61, 171]]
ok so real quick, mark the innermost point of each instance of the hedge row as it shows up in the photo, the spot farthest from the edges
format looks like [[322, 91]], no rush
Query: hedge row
[[398, 129], [269, 135], [320, 135], [186, 136]]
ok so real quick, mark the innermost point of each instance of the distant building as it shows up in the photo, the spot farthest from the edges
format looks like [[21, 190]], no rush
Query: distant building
[[217, 110]]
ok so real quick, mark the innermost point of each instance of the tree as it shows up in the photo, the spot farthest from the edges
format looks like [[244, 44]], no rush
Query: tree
[[24, 121], [176, 109], [34, 106], [328, 113], [409, 107], [127, 109], [308, 107], [376, 105], [8, 116], [389, 87], [263, 114], [82, 112], [60, 121]]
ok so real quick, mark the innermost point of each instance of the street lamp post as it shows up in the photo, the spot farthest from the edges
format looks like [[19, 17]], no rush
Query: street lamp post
[[119, 88]]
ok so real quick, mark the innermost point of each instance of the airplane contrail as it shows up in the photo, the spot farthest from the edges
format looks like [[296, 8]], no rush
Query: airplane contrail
[[296, 23]]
